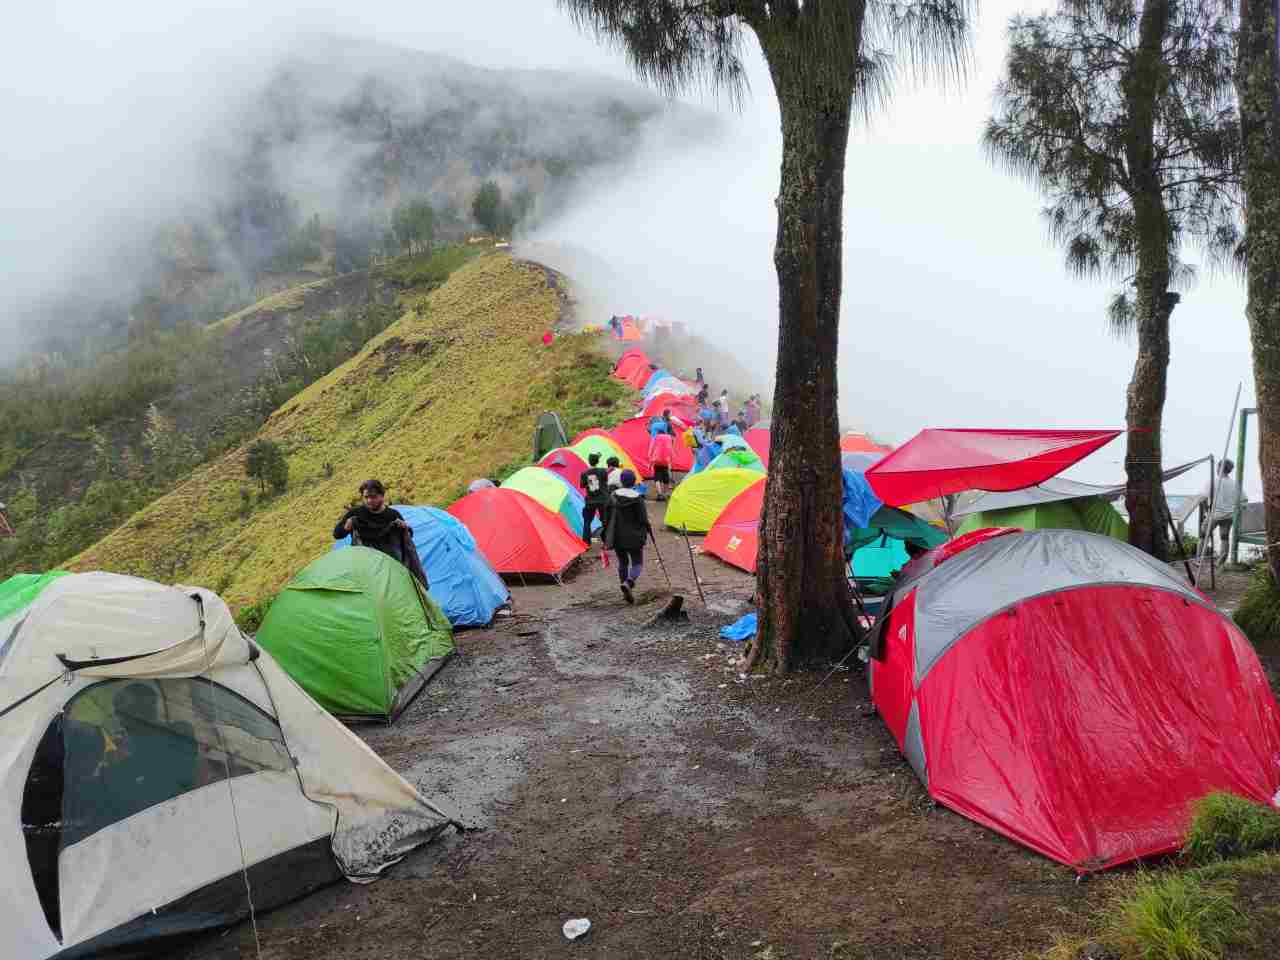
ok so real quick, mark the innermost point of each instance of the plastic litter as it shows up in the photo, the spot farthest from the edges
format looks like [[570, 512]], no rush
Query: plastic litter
[[743, 629], [573, 929]]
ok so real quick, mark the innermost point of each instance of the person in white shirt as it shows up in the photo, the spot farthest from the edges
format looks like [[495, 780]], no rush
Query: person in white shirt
[[1223, 496]]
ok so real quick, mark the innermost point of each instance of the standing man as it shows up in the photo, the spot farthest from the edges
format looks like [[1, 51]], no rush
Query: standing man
[[375, 525], [662, 451], [595, 484], [1223, 495], [627, 532], [722, 406]]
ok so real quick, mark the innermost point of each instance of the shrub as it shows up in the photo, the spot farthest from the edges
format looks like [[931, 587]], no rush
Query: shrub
[[1259, 612], [249, 619], [266, 463], [1179, 917], [1225, 825]]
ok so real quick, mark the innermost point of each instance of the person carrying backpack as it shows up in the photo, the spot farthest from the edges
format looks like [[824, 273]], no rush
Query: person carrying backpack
[[595, 484], [661, 454], [627, 532]]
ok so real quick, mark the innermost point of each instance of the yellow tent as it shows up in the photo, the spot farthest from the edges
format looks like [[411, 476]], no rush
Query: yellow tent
[[699, 499]]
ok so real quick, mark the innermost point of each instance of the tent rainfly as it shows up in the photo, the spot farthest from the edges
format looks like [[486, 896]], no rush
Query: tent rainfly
[[155, 763]]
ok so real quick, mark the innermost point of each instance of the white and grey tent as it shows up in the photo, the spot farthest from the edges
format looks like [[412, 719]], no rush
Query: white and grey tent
[[157, 770]]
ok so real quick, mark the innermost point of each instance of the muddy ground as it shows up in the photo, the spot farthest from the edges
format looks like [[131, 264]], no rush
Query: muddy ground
[[628, 774]]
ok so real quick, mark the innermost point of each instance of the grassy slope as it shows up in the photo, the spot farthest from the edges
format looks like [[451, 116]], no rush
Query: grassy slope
[[441, 397]]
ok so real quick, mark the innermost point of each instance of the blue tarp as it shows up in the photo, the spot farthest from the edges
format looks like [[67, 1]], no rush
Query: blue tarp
[[860, 501], [463, 583], [740, 630]]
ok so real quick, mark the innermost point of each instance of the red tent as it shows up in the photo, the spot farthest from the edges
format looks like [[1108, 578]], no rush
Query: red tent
[[937, 462], [630, 362], [861, 443], [630, 329], [516, 533], [633, 437], [683, 406], [927, 561], [735, 536], [1070, 692], [639, 375], [566, 463], [758, 440]]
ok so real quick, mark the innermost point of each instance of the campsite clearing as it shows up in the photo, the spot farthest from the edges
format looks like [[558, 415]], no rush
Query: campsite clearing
[[624, 773]]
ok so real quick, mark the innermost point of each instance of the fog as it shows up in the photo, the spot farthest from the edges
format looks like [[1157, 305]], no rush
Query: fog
[[957, 312]]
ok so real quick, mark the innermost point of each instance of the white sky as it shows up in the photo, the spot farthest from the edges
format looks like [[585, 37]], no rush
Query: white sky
[[957, 312]]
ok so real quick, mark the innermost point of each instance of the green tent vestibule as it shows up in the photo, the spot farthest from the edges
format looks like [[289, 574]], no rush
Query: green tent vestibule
[[1091, 514], [358, 633]]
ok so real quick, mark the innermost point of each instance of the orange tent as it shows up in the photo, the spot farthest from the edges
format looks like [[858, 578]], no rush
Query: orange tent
[[861, 443], [516, 533]]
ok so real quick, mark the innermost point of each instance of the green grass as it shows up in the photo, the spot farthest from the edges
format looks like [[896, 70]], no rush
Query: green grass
[[1229, 826], [428, 270], [1178, 916], [1259, 612]]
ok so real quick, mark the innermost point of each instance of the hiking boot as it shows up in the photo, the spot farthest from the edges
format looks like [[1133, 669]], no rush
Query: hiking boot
[[626, 591]]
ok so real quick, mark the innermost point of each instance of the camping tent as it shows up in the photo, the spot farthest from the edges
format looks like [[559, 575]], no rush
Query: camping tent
[[758, 440], [460, 579], [699, 498], [22, 588], [155, 763], [640, 375], [567, 465], [684, 406], [660, 374], [861, 443], [937, 462], [356, 630], [603, 443], [633, 437], [552, 491], [1073, 694], [737, 457], [1093, 514], [548, 433], [517, 534]]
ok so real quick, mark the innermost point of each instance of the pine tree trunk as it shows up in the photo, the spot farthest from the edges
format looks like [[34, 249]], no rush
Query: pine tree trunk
[[805, 606], [1154, 303], [1258, 87]]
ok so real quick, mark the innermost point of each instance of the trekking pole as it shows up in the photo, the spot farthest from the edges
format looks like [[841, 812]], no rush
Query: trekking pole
[[658, 554], [696, 582]]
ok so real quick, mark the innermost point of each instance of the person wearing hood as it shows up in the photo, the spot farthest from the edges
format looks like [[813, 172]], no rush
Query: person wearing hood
[[374, 524], [627, 532]]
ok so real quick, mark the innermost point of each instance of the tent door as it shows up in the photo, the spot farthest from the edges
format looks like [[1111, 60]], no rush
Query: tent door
[[152, 844]]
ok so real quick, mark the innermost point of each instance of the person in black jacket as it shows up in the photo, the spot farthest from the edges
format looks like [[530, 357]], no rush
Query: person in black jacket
[[628, 529], [595, 484], [373, 524]]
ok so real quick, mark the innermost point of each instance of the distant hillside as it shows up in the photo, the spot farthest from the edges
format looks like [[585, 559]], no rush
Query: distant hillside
[[445, 394], [299, 177]]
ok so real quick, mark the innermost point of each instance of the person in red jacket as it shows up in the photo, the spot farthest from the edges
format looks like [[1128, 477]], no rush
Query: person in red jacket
[[662, 455]]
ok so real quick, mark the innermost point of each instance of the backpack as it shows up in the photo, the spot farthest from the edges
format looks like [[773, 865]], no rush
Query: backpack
[[690, 440]]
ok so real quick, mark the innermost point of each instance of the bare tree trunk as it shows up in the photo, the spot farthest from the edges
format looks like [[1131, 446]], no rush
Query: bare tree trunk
[[1154, 303], [1258, 87], [805, 606]]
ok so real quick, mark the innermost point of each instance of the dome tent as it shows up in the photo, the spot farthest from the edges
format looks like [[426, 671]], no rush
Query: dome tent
[[551, 490], [356, 630], [603, 443], [518, 534], [566, 464], [699, 499], [1070, 692], [459, 578], [109, 849]]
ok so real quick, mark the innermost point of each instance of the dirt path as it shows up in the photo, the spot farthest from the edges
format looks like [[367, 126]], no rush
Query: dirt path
[[627, 774]]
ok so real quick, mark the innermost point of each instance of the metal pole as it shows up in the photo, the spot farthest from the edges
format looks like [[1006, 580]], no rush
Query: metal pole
[[1238, 513]]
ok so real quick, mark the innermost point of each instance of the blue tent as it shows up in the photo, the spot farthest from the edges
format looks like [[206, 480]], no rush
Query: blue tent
[[654, 378], [463, 583]]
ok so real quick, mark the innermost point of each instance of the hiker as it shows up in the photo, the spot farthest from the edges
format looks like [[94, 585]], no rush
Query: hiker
[[703, 392], [722, 407], [662, 451], [708, 449], [375, 525], [595, 484], [548, 338], [627, 532], [1223, 495], [753, 410], [5, 529], [659, 425], [699, 379]]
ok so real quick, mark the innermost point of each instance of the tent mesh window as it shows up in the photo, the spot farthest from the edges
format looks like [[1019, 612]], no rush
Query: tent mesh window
[[122, 746]]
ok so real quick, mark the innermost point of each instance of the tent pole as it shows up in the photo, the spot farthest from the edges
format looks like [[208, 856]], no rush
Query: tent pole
[[1238, 513], [1177, 538]]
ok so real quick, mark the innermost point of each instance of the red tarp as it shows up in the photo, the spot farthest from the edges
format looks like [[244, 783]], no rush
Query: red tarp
[[516, 533], [735, 536], [567, 464], [938, 462]]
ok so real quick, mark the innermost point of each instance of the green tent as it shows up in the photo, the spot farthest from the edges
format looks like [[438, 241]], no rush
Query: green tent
[[879, 548], [548, 433], [358, 633], [1092, 514], [22, 588]]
